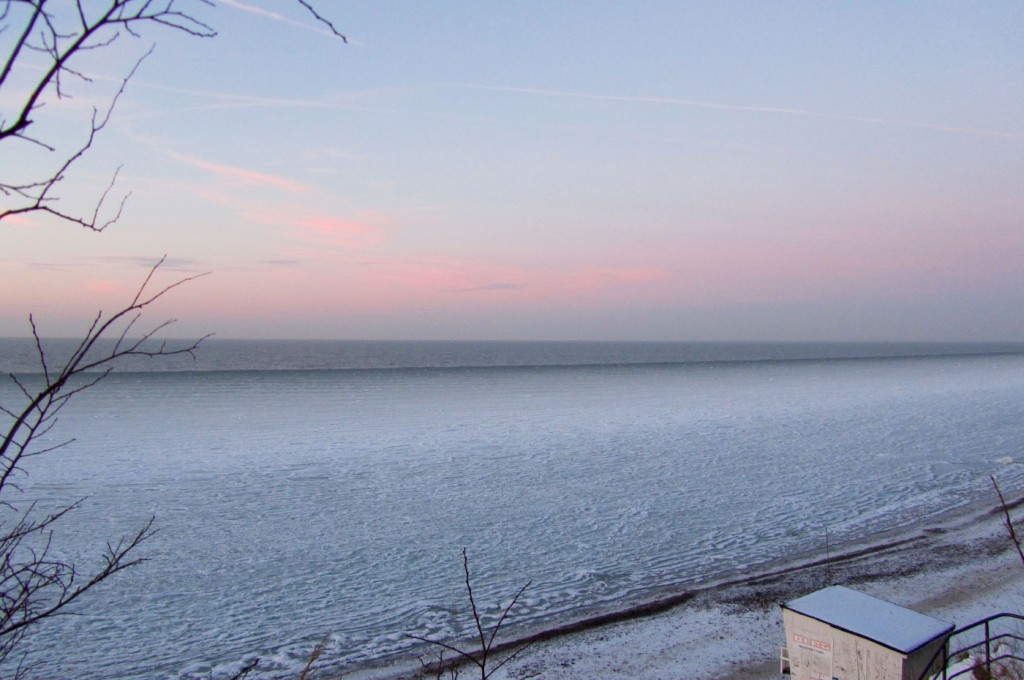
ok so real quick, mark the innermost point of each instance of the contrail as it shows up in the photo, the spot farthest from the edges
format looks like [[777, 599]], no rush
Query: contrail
[[274, 16], [702, 104]]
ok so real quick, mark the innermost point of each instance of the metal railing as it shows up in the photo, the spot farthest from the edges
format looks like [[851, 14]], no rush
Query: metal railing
[[990, 643]]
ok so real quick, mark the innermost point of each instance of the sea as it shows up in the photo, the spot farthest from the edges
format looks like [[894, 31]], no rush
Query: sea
[[307, 491]]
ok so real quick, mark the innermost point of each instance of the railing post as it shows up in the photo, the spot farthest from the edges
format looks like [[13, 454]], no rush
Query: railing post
[[948, 652], [988, 651]]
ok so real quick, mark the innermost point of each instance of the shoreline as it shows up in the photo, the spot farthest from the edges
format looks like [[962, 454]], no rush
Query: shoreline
[[730, 626]]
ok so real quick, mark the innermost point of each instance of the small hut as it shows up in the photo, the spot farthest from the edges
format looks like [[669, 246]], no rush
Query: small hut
[[841, 634]]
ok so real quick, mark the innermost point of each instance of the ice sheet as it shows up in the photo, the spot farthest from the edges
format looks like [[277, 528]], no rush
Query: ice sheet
[[297, 503]]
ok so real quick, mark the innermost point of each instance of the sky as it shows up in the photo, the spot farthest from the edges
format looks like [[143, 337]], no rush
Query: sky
[[546, 170]]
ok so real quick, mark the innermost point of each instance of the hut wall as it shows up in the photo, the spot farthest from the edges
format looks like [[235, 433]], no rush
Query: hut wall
[[914, 666], [875, 661], [810, 647], [817, 651]]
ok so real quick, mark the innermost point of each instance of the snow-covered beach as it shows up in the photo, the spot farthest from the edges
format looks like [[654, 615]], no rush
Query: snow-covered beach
[[961, 569]]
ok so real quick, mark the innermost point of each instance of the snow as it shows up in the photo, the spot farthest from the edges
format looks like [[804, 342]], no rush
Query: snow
[[961, 571]]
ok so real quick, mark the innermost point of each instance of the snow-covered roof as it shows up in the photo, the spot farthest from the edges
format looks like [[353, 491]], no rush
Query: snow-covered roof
[[886, 623]]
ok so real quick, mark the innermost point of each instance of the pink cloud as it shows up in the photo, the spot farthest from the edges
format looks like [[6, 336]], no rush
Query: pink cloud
[[447, 282], [774, 110], [345, 281], [331, 265], [245, 176], [434, 275], [103, 286], [20, 220], [321, 230], [589, 280]]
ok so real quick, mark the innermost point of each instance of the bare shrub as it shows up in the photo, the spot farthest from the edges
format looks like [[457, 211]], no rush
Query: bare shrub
[[483, 654]]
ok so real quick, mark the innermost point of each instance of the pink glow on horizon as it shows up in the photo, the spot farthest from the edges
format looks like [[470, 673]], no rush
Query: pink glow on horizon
[[347, 285], [710, 275], [335, 270]]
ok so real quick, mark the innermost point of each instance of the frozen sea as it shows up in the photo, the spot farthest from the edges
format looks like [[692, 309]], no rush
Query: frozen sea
[[304, 489]]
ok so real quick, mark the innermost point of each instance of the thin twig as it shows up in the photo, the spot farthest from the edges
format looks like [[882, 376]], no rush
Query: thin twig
[[478, 658], [35, 582], [307, 671], [1009, 522]]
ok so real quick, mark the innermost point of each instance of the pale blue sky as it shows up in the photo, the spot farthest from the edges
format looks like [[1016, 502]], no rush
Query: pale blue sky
[[557, 170]]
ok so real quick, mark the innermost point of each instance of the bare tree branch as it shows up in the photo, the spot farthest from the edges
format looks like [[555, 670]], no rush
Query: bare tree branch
[[90, 32], [45, 43], [322, 20], [51, 37], [35, 584]]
